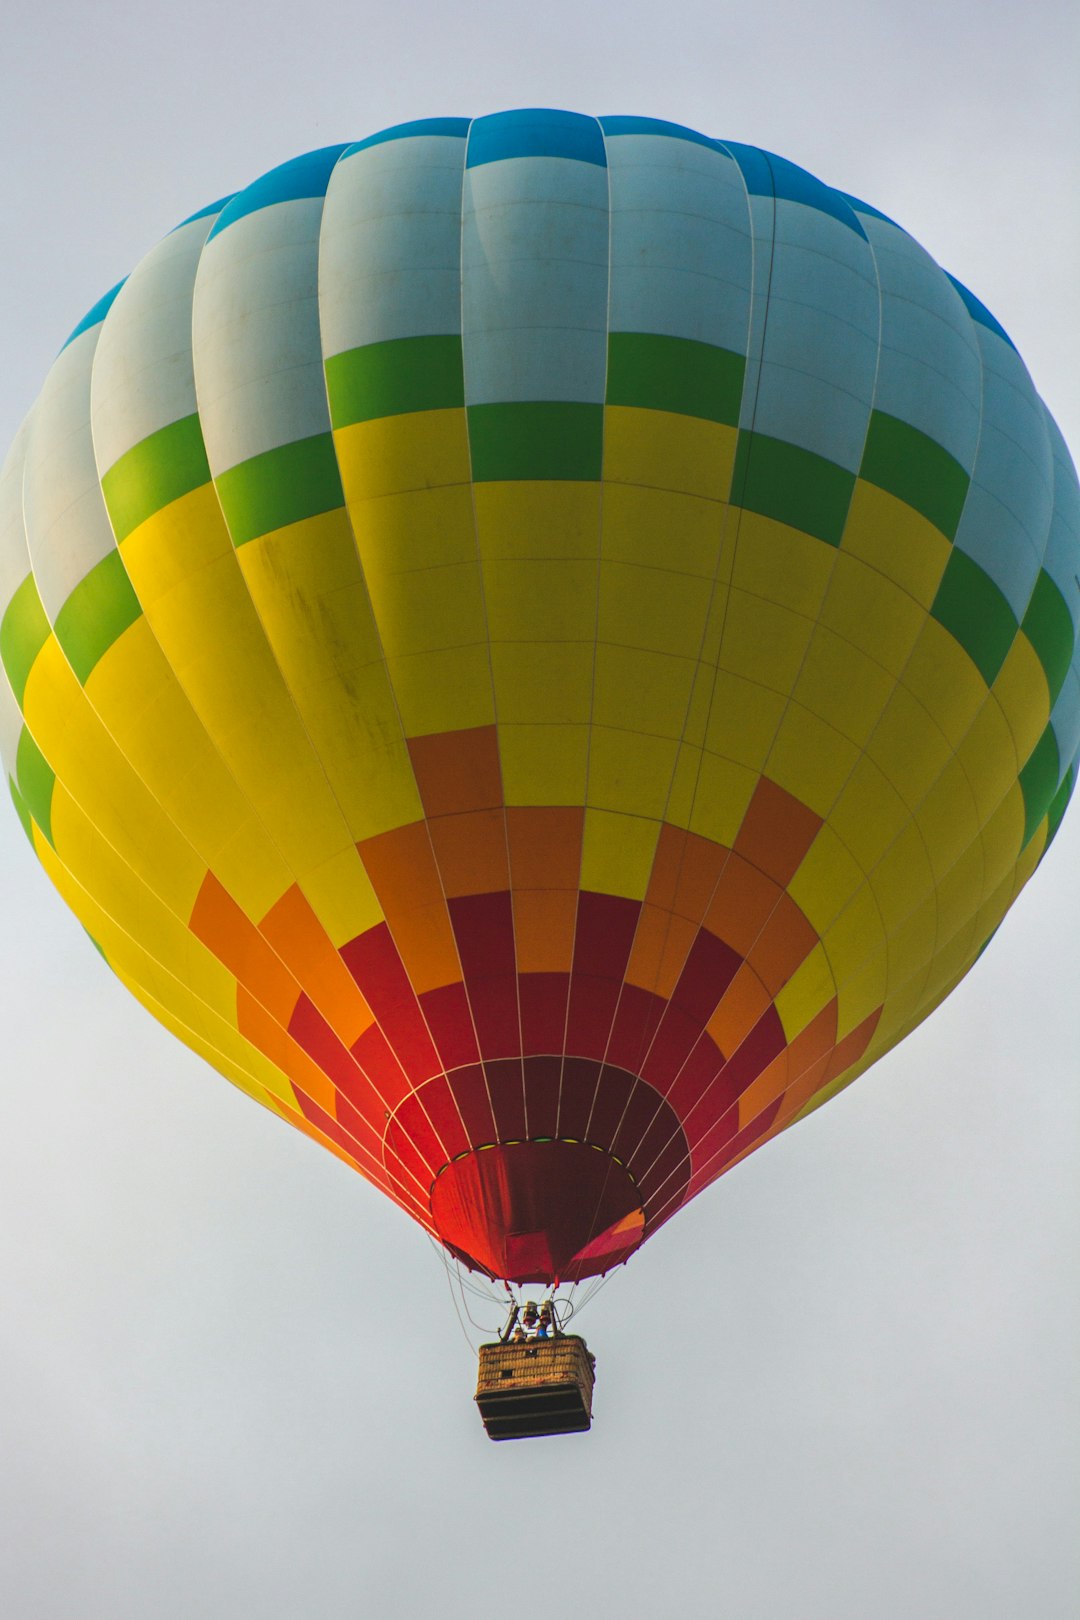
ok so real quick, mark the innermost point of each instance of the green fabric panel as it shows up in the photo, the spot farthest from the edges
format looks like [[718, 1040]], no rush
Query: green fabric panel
[[160, 469], [36, 781], [98, 611], [915, 468], [1048, 626], [279, 487], [795, 486], [95, 944], [24, 630], [388, 379], [675, 374], [1039, 781], [1058, 805], [22, 810], [972, 609], [536, 440]]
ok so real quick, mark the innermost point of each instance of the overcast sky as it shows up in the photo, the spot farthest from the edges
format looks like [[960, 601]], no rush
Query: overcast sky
[[844, 1384]]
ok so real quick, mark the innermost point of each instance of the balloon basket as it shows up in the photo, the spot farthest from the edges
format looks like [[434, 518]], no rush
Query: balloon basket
[[542, 1387]]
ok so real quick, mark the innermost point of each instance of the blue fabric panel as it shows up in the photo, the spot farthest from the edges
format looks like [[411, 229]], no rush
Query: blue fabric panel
[[1006, 519], [1065, 719], [419, 126], [819, 342], [94, 315], [680, 242], [929, 367], [655, 126], [979, 312], [861, 207], [535, 132], [306, 176], [534, 261], [1063, 541]]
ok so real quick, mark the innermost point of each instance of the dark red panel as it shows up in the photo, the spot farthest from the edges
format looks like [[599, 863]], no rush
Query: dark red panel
[[604, 934], [697, 1081], [495, 1014], [579, 1077], [543, 1010], [709, 969], [469, 1086], [506, 1084], [450, 1022], [637, 1019], [349, 1140], [437, 1101], [484, 929], [542, 1076], [765, 1041], [613, 1091], [672, 1044], [310, 1030], [591, 1014]]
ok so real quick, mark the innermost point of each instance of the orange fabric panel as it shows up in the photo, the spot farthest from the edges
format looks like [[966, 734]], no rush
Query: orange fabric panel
[[786, 940], [545, 847], [685, 873], [402, 869], [744, 1002], [426, 945], [301, 941], [544, 929], [470, 852], [218, 921], [275, 1042], [805, 1057], [777, 831], [661, 945], [458, 770], [742, 904]]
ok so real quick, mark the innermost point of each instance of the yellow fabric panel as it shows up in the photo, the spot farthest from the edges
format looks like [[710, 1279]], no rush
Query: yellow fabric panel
[[738, 717], [912, 940], [899, 542], [909, 747], [710, 796], [1002, 835], [872, 612], [654, 608], [903, 878], [827, 877], [537, 518], [428, 610], [783, 564], [540, 599], [210, 634], [412, 451], [763, 641], [948, 819], [448, 689], [137, 697], [988, 755], [842, 685], [960, 891], [810, 759], [949, 965], [810, 988], [630, 772], [98, 777], [855, 947], [945, 681], [868, 814], [133, 908], [537, 682], [642, 691], [668, 451], [617, 853], [339, 892], [1021, 692], [659, 528], [309, 592], [544, 764]]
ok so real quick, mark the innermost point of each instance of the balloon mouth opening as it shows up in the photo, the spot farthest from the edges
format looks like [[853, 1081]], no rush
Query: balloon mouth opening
[[540, 1211]]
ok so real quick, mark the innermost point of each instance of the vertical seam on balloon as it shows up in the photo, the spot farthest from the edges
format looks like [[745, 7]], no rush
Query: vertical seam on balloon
[[481, 1061], [391, 1114], [494, 692]]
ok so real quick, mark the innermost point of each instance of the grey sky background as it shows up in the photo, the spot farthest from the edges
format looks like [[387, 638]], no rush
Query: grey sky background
[[843, 1385]]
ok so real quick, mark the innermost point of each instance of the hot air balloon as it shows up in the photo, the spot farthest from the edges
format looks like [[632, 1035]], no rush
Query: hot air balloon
[[540, 646]]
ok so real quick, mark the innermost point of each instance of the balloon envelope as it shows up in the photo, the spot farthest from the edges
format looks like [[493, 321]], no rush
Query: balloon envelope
[[539, 646]]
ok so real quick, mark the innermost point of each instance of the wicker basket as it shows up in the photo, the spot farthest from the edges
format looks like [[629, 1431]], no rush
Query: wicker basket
[[542, 1387]]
